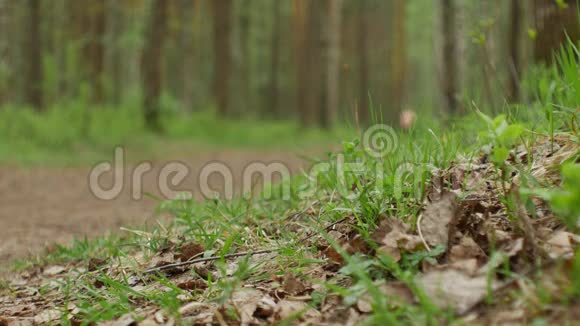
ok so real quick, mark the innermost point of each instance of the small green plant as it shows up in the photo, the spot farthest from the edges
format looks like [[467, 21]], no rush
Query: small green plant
[[565, 200]]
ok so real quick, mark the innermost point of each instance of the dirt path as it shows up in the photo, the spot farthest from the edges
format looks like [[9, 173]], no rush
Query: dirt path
[[40, 206]]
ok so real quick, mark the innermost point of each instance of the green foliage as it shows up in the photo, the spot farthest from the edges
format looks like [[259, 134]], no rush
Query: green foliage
[[565, 199], [76, 131]]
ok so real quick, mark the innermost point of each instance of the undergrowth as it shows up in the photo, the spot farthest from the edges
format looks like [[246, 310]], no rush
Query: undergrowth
[[306, 233]]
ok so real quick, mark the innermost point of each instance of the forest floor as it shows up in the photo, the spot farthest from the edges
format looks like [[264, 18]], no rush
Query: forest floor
[[486, 238], [41, 207]]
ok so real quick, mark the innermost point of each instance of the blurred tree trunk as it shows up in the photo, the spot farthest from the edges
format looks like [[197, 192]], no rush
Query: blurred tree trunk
[[306, 42], [245, 23], [94, 51], [299, 40], [332, 34], [363, 109], [152, 73], [552, 23], [33, 53], [187, 55], [222, 30], [315, 90], [514, 71], [398, 60], [449, 56], [5, 74], [273, 108], [116, 26]]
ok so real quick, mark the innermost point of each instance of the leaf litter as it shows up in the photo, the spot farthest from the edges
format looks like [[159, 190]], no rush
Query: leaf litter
[[473, 257]]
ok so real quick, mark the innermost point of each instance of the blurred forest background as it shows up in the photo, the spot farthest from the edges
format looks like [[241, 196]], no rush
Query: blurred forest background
[[90, 69]]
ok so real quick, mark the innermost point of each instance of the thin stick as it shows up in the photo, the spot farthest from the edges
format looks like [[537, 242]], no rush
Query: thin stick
[[195, 259], [421, 233], [212, 258]]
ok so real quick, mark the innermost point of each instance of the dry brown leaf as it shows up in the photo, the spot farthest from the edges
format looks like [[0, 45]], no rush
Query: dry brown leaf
[[333, 255], [265, 308], [192, 285], [466, 249], [392, 238], [437, 219], [53, 270], [286, 309], [469, 266], [293, 285], [189, 250], [363, 304], [246, 302], [559, 244], [453, 289], [397, 293]]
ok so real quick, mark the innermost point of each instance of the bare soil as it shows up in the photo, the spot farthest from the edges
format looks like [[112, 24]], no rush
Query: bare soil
[[41, 206]]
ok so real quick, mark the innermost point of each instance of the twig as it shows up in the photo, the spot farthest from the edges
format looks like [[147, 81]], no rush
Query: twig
[[419, 219], [195, 259], [212, 258]]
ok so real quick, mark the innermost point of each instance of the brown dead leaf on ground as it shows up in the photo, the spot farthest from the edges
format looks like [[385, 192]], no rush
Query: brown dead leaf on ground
[[246, 301], [561, 244], [192, 285], [189, 250], [438, 218], [293, 285], [466, 249], [286, 310], [54, 270], [392, 236], [454, 289], [397, 294]]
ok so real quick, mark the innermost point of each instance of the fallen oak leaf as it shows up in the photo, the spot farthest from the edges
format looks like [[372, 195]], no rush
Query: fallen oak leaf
[[293, 285], [466, 249], [392, 237], [192, 285], [189, 250], [437, 219], [454, 289], [287, 310], [246, 302], [53, 270], [398, 294]]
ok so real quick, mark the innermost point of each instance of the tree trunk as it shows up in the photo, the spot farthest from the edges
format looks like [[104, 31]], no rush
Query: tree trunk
[[152, 73], [187, 62], [273, 108], [362, 108], [553, 26], [449, 57], [514, 50], [299, 25], [398, 60], [333, 30], [116, 27], [222, 11], [33, 52], [315, 93], [5, 14], [245, 23], [96, 49], [306, 46]]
